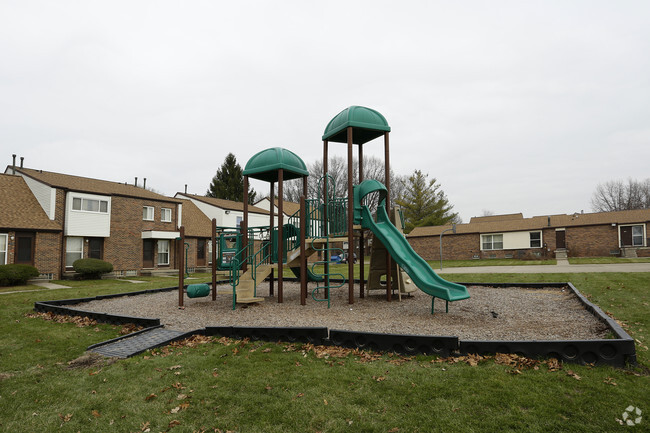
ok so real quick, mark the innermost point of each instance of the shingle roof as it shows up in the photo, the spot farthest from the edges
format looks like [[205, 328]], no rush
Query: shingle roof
[[539, 222], [20, 209], [196, 223], [95, 186], [288, 207], [490, 218], [224, 204]]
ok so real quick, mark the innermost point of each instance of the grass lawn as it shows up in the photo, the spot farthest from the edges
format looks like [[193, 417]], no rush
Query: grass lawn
[[605, 260], [226, 385]]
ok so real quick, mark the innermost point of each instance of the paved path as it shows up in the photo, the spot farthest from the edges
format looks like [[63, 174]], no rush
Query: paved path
[[548, 269]]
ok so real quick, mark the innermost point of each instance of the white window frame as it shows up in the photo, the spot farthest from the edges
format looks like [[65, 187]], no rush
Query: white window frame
[[166, 215], [632, 227], [79, 204], [148, 213], [491, 242], [68, 250], [5, 236], [535, 240], [163, 251]]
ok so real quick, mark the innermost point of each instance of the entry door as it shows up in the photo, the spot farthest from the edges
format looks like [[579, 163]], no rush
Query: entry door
[[96, 248], [560, 239], [25, 248], [147, 253], [200, 252], [626, 236]]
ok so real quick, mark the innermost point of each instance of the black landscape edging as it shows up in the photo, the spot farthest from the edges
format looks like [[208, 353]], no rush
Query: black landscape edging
[[398, 343], [314, 335], [122, 337], [617, 352]]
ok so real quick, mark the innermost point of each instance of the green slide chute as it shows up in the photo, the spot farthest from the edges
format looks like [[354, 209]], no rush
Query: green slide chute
[[398, 247]]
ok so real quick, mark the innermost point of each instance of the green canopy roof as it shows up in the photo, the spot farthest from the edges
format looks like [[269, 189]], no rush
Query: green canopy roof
[[266, 164], [367, 125]]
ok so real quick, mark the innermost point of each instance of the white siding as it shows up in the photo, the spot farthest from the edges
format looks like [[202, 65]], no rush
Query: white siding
[[89, 224], [45, 195], [516, 240]]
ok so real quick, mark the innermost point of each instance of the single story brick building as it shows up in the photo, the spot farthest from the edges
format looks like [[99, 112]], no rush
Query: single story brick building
[[621, 234]]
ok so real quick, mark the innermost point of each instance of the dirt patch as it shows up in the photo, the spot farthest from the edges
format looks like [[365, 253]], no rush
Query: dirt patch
[[90, 360]]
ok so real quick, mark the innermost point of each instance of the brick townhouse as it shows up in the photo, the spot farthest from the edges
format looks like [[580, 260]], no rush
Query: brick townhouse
[[621, 233], [131, 227], [25, 229]]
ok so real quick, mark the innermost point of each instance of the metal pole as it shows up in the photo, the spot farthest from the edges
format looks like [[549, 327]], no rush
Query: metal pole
[[181, 266], [453, 229]]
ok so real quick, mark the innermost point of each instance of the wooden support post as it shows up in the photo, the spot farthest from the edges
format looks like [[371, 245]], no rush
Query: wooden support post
[[280, 240], [214, 259], [271, 225], [244, 226], [350, 221], [303, 252], [181, 266], [324, 219], [387, 183], [362, 270]]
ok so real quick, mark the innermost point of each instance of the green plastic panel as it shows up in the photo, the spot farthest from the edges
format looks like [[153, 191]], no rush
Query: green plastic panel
[[367, 124], [265, 165]]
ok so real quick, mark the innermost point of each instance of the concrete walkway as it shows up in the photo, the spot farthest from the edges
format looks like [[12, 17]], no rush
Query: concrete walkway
[[563, 266]]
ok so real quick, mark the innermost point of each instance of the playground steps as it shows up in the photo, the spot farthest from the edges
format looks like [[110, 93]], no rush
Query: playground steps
[[138, 342], [246, 287]]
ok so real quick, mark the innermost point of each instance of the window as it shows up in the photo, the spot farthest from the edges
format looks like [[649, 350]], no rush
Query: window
[[166, 215], [163, 252], [147, 213], [492, 242], [637, 236], [74, 250], [3, 249], [239, 220], [89, 205], [535, 239]]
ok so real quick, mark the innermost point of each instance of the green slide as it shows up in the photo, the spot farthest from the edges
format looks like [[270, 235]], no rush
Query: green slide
[[401, 251], [310, 275]]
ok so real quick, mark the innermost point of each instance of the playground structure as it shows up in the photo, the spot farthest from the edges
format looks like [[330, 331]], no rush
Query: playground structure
[[256, 253]]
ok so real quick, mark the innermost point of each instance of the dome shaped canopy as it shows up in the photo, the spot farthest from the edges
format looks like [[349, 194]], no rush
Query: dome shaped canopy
[[367, 124], [266, 164]]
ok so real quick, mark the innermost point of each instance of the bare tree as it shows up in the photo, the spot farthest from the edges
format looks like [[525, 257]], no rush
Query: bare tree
[[616, 195], [373, 168]]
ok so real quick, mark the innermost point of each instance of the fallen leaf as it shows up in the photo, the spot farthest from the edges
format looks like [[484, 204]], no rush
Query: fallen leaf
[[174, 423], [65, 418], [181, 397], [150, 397], [174, 367], [96, 414], [325, 402], [175, 410], [573, 375], [610, 381]]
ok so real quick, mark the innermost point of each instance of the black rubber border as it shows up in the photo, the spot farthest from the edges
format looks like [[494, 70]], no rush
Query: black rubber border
[[314, 335], [617, 352], [398, 343]]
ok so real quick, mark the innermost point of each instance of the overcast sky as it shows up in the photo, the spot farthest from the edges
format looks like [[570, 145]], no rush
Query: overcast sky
[[512, 106]]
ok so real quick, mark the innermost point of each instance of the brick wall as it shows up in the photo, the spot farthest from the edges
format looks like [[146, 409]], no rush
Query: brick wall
[[591, 241], [454, 247], [47, 253]]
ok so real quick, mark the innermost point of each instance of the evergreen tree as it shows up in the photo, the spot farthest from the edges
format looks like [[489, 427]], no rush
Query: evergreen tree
[[228, 183], [424, 203]]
